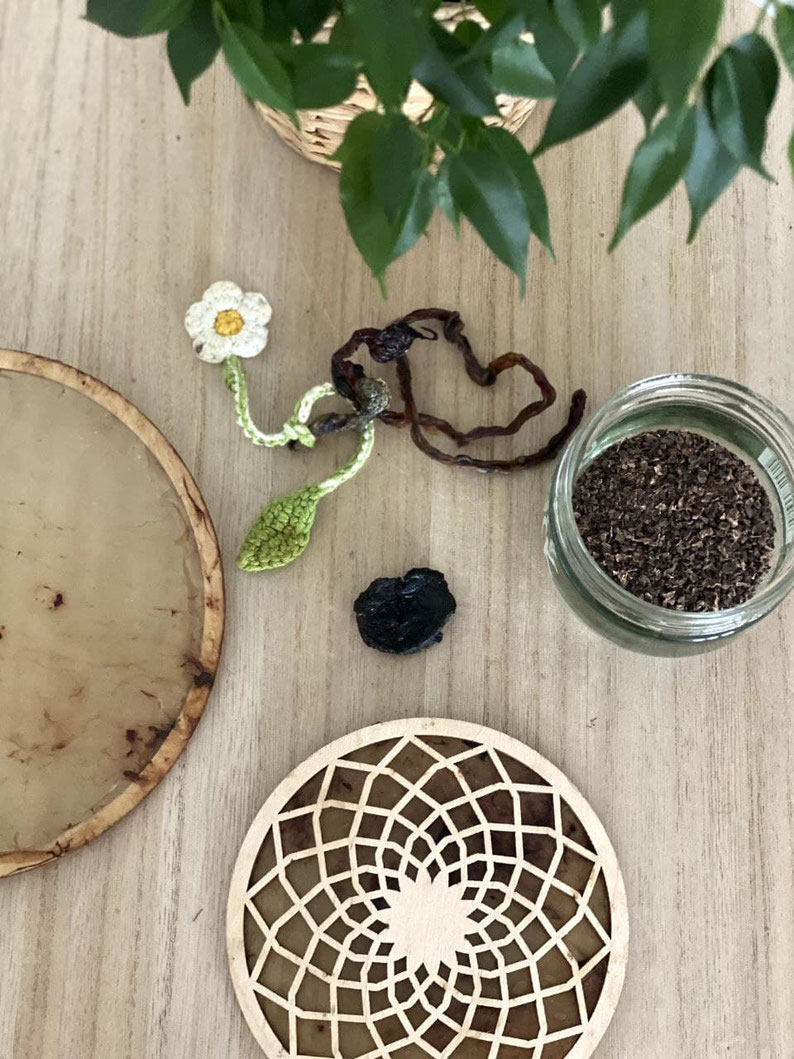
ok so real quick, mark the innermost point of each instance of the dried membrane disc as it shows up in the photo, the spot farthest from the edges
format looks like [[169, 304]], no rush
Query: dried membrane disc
[[427, 888], [111, 609]]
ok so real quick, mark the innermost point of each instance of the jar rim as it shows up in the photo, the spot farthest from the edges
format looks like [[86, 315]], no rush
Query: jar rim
[[672, 624]]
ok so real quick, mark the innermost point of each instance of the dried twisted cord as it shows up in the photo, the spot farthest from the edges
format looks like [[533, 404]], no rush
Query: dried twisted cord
[[393, 343]]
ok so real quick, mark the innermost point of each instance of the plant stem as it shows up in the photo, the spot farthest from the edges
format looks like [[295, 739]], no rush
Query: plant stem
[[219, 15]]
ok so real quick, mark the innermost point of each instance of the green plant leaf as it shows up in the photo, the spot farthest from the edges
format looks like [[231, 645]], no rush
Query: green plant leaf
[[309, 15], [415, 217], [710, 171], [368, 224], [648, 102], [466, 86], [444, 196], [486, 191], [321, 74], [468, 32], [257, 67], [163, 15], [791, 153], [119, 16], [740, 88], [192, 46], [397, 150], [274, 24], [763, 58], [249, 12], [607, 76], [680, 34], [493, 9], [623, 11], [448, 129], [387, 35], [556, 49], [343, 35], [581, 20], [446, 42], [657, 166], [379, 239], [784, 30], [510, 150], [498, 35], [518, 70]]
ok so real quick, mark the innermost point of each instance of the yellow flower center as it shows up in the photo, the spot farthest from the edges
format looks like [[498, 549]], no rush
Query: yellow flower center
[[228, 322]]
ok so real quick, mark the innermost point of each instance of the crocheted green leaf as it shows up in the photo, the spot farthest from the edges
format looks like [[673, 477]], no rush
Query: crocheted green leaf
[[281, 532]]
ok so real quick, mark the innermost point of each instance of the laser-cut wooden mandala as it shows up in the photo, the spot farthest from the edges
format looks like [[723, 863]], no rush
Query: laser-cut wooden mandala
[[427, 888]]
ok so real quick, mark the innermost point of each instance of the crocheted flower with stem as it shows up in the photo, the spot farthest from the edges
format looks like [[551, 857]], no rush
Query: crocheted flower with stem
[[228, 322], [227, 325]]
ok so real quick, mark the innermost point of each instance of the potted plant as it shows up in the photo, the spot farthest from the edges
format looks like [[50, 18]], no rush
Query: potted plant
[[705, 114]]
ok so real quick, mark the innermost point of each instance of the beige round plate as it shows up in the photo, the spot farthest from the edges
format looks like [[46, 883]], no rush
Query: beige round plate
[[427, 888], [111, 608]]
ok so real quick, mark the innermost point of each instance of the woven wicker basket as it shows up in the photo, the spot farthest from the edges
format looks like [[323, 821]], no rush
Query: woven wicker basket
[[322, 131]]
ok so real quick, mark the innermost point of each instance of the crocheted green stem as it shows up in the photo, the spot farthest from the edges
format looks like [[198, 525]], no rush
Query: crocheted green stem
[[353, 465], [295, 429], [283, 530]]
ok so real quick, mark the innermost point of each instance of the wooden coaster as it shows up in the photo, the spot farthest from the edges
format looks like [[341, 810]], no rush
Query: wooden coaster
[[111, 608], [427, 888]]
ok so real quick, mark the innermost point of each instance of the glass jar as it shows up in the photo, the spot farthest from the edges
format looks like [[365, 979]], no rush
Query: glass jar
[[719, 409]]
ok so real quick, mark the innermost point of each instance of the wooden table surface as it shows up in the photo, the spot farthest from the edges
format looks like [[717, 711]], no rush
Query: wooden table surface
[[117, 207]]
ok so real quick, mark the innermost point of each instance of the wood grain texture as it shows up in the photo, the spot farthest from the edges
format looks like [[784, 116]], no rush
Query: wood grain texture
[[117, 207]]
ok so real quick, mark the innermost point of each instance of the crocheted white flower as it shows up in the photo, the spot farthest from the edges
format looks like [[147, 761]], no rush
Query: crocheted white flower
[[226, 321]]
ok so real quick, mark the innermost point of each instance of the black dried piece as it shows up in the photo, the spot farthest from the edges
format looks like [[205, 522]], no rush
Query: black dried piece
[[393, 341], [403, 615]]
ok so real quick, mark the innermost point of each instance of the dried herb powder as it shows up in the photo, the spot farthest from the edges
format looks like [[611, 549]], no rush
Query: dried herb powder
[[403, 615], [677, 519]]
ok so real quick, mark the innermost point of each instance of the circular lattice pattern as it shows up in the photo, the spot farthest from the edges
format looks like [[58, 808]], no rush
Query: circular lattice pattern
[[427, 888]]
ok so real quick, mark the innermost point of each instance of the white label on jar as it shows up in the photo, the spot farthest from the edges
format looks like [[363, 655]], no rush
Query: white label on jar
[[777, 472]]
